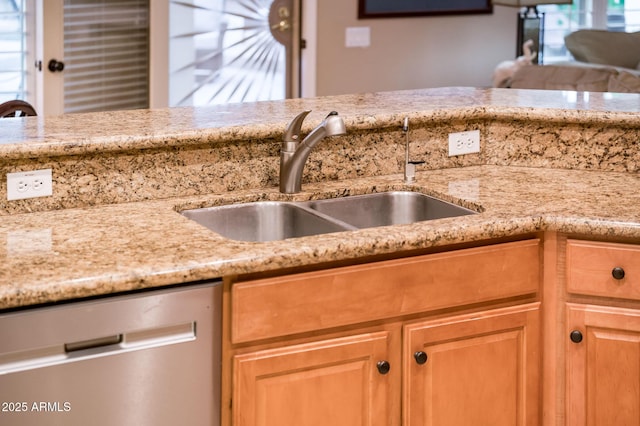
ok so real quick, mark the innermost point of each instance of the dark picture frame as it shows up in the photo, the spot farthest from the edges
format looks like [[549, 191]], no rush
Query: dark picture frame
[[404, 8]]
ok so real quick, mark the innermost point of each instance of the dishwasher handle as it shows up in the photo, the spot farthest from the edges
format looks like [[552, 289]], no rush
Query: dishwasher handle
[[31, 359], [93, 343]]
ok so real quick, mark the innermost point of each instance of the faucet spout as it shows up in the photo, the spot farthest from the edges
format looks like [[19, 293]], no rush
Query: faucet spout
[[294, 154]]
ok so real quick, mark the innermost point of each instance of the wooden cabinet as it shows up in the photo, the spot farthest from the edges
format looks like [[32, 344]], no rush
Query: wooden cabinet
[[603, 365], [343, 381], [306, 349], [308, 302], [602, 339], [474, 369], [610, 270]]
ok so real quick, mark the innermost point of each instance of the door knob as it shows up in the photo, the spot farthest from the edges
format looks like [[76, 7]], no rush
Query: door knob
[[617, 273], [383, 367], [55, 66], [283, 24], [575, 336], [420, 357], [282, 21]]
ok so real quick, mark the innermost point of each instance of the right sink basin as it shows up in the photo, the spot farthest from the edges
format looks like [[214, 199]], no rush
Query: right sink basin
[[387, 208]]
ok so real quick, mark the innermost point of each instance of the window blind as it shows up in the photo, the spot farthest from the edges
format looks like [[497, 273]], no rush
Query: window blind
[[106, 55]]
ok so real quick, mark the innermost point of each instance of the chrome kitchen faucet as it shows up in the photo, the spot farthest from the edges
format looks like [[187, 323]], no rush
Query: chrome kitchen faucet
[[294, 154]]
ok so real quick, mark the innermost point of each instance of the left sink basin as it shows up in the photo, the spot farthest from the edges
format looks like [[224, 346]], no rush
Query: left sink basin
[[262, 221]]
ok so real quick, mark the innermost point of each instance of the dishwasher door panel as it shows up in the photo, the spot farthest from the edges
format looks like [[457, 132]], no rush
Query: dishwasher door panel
[[151, 358]]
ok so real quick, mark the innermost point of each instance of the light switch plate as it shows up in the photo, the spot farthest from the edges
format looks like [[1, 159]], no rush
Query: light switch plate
[[358, 37]]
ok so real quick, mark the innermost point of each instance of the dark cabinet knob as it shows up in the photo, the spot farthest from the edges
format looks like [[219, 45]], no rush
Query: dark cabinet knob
[[618, 273], [55, 66], [420, 357], [383, 367], [575, 336]]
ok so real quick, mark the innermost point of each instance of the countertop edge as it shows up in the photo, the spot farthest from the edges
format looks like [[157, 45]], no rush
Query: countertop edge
[[296, 256], [360, 116]]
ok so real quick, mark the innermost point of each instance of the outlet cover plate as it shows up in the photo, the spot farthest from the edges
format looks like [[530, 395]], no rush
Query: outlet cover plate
[[36, 183], [464, 142]]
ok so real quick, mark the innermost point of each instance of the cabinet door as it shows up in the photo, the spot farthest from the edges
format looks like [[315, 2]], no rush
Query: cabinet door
[[603, 365], [336, 382], [475, 369]]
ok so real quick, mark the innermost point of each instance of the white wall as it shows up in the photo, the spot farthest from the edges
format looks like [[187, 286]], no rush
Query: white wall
[[410, 53]]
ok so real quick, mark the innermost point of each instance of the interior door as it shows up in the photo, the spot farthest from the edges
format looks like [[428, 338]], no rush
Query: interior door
[[49, 91], [223, 51], [93, 55]]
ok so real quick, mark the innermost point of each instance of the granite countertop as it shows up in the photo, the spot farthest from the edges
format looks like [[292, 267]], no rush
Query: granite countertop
[[74, 253], [71, 253], [159, 128]]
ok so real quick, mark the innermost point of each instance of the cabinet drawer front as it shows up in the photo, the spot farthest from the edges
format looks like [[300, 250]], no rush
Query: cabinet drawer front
[[590, 269], [272, 307]]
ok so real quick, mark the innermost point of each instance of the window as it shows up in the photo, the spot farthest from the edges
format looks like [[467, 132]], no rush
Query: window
[[560, 20], [106, 52], [13, 40]]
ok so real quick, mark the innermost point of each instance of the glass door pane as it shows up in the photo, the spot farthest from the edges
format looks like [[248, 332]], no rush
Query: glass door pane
[[232, 50]]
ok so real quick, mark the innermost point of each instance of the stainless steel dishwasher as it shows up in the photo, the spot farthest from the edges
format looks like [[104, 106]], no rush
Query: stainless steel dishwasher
[[149, 358]]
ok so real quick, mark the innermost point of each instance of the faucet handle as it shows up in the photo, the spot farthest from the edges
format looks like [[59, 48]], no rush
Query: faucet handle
[[292, 134]]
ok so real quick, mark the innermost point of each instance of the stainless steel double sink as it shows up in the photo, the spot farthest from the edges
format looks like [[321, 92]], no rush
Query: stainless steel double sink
[[279, 220]]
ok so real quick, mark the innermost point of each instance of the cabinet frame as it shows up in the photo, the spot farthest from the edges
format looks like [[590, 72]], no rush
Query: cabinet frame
[[515, 265]]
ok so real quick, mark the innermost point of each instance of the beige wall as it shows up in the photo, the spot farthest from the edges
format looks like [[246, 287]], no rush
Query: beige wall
[[410, 53]]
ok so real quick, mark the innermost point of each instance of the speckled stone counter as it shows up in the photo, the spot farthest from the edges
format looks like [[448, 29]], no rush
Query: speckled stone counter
[[133, 156], [123, 130], [549, 161]]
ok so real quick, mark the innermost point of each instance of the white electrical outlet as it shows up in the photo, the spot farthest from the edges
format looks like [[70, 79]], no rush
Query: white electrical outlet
[[464, 142], [37, 183]]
